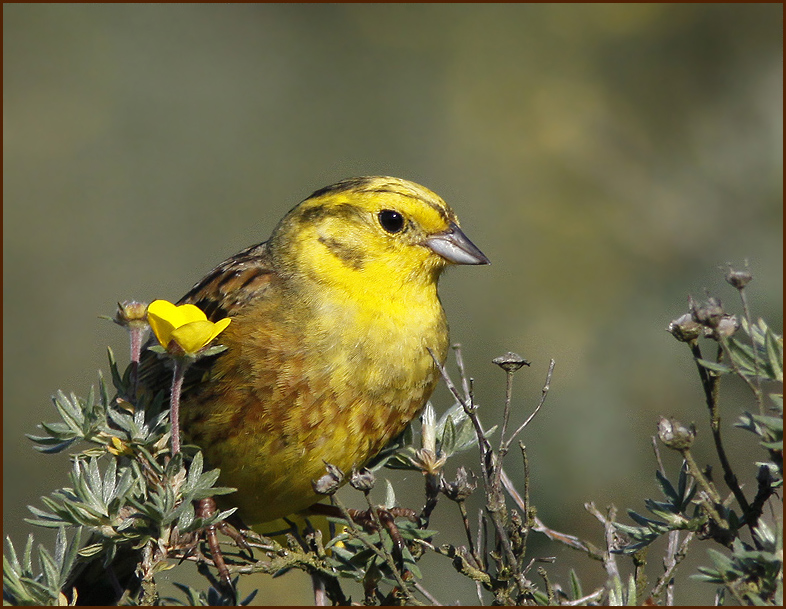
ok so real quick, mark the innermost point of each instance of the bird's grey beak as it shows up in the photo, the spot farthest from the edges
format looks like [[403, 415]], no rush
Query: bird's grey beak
[[455, 246]]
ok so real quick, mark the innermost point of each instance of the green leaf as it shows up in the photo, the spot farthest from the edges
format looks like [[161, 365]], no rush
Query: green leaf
[[646, 522], [575, 586], [683, 488], [616, 596], [742, 354], [667, 488], [448, 438], [103, 391], [95, 481], [715, 366], [411, 564], [390, 495], [723, 563], [630, 599], [69, 412], [116, 380], [774, 354], [27, 560], [195, 470], [49, 570], [187, 515], [214, 350]]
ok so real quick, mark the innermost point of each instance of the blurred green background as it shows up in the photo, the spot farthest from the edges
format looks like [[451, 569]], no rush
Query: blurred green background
[[607, 158]]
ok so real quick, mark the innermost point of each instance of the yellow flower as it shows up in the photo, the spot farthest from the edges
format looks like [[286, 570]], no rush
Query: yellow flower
[[118, 447], [186, 325]]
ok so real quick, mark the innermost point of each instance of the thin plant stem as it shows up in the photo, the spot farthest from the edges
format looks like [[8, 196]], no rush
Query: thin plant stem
[[469, 409], [136, 334], [462, 371], [177, 388], [491, 472], [525, 461], [503, 445], [383, 553], [747, 314], [465, 519], [480, 544], [657, 455], [430, 597], [674, 557], [711, 384], [609, 558], [543, 394]]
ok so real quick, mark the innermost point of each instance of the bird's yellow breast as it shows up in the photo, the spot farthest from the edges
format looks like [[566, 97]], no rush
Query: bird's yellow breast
[[329, 379]]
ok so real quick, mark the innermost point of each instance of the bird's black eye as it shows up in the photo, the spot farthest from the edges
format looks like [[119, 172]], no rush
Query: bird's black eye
[[391, 221]]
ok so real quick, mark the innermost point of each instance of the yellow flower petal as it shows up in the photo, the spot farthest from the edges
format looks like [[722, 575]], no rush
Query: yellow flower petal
[[221, 325], [118, 447], [164, 317], [161, 308], [162, 329], [194, 336], [176, 315]]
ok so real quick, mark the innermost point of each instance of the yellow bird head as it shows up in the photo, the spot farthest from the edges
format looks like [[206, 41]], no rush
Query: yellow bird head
[[374, 232]]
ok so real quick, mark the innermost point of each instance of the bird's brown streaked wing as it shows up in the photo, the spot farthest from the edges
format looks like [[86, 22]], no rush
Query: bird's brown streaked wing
[[241, 279], [223, 292]]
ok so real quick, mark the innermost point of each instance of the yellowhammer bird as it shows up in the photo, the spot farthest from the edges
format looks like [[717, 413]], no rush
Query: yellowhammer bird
[[327, 354]]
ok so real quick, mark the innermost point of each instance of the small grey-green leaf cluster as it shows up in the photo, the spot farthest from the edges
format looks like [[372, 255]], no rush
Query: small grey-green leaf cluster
[[125, 489], [453, 433], [672, 513], [352, 557], [751, 572], [25, 585]]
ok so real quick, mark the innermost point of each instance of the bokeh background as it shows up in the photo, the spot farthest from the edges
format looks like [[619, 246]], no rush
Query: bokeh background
[[607, 158]]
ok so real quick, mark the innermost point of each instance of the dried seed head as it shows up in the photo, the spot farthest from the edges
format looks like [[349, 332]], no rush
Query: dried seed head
[[684, 328], [675, 435], [330, 482], [727, 326], [707, 314], [461, 488], [738, 279], [362, 479], [510, 362]]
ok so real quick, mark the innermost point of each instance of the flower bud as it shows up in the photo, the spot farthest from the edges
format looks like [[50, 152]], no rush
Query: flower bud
[[427, 461], [118, 447], [428, 430], [131, 313]]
